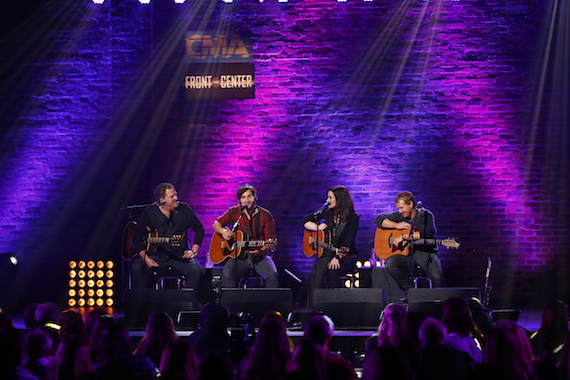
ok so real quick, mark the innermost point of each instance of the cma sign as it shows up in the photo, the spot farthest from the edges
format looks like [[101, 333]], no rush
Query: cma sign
[[212, 47]]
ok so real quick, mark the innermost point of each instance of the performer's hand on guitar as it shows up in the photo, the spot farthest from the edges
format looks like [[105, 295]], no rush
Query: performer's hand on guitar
[[403, 226], [149, 262], [226, 234]]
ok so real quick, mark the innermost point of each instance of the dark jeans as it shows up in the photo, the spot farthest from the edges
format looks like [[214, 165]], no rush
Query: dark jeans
[[400, 268], [142, 276]]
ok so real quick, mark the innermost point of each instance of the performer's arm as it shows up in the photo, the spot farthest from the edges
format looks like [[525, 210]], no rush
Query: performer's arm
[[195, 225], [310, 224], [268, 230], [138, 237], [220, 224]]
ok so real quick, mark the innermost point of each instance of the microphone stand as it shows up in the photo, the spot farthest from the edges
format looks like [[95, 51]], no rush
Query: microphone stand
[[233, 230]]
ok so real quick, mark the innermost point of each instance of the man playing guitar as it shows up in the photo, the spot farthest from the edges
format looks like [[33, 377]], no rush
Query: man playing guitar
[[419, 224], [170, 219], [257, 224]]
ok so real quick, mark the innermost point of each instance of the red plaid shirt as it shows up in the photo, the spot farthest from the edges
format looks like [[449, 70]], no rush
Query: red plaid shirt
[[261, 225]]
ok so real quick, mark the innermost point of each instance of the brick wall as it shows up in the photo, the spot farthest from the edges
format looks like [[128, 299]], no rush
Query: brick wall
[[441, 98]]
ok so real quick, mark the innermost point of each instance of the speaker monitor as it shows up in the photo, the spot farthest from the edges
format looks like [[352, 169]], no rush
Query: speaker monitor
[[141, 303], [356, 308], [257, 301], [430, 301]]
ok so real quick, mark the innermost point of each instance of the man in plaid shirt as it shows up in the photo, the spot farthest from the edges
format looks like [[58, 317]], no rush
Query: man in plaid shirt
[[258, 225]]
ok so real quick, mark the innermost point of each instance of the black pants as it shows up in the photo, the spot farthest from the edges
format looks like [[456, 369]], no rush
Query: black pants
[[328, 278], [400, 268]]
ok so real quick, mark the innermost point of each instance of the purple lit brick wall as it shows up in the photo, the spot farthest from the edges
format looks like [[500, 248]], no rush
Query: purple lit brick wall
[[441, 98]]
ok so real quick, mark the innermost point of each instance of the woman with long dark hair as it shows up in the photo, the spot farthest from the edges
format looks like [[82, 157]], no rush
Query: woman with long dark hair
[[336, 225]]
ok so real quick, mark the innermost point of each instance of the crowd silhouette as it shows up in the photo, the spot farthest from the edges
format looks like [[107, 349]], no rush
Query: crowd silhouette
[[464, 345]]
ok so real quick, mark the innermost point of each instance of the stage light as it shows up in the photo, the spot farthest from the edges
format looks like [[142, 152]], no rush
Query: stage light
[[98, 2], [179, 1], [95, 288], [341, 1], [228, 1], [145, 2], [283, 1]]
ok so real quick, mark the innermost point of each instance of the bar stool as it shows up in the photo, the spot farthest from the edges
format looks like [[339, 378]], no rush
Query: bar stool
[[251, 280], [168, 275], [421, 280]]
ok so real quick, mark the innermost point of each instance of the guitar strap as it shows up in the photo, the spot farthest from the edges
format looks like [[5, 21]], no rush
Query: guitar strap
[[338, 231]]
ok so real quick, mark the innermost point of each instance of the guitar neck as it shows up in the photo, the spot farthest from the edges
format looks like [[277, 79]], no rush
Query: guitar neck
[[158, 240], [329, 247], [253, 243], [427, 242]]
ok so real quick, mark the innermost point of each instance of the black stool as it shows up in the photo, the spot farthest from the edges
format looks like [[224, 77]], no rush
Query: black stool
[[251, 280], [168, 277]]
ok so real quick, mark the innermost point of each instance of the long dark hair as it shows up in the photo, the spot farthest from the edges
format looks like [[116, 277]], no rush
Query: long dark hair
[[344, 204]]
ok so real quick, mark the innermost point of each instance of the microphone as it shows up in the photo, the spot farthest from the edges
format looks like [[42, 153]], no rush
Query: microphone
[[327, 204], [420, 206]]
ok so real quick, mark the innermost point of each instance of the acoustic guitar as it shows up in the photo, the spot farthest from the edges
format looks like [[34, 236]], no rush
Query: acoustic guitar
[[150, 240], [236, 247], [316, 242], [384, 238]]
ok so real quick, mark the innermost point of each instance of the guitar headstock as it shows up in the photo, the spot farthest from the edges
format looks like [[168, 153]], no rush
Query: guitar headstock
[[271, 243], [451, 243]]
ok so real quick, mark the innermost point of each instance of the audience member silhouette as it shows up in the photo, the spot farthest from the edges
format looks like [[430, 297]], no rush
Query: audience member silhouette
[[178, 362], [46, 316], [507, 354], [92, 317], [71, 323], [114, 359], [308, 361], [320, 329], [72, 359], [29, 316], [5, 322], [39, 361], [387, 362], [212, 335], [269, 354], [439, 360], [460, 326], [410, 341], [160, 333], [553, 328], [11, 355], [216, 365], [563, 363], [389, 329], [481, 319]]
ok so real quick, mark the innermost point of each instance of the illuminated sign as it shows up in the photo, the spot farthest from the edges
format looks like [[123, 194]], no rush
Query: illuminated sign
[[210, 47], [219, 81]]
